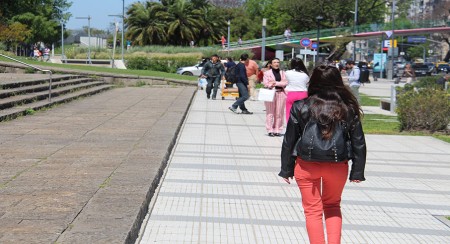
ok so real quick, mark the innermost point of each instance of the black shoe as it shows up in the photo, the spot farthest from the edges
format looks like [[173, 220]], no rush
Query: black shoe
[[277, 134], [213, 98], [271, 134], [234, 110], [207, 96], [246, 112]]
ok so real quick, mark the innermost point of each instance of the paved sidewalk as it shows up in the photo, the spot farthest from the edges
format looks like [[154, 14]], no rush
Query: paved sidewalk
[[221, 186]]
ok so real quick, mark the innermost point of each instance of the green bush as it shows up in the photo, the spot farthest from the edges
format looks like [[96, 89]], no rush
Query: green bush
[[427, 81], [168, 64], [423, 109]]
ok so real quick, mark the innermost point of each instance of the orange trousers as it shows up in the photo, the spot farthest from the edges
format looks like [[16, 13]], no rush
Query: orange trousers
[[321, 185]]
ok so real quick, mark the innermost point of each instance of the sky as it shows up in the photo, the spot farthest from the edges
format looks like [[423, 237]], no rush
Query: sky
[[98, 10]]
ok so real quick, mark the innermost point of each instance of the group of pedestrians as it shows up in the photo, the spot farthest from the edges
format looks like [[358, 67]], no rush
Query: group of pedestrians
[[41, 54], [323, 132]]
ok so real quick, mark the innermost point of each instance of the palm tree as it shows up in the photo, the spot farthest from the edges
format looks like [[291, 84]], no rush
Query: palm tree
[[213, 26], [147, 23], [184, 23]]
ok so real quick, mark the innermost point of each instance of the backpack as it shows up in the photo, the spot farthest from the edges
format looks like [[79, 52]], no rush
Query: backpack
[[311, 146], [364, 75], [231, 75]]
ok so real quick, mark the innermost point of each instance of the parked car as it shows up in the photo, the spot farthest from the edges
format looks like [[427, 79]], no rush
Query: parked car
[[196, 69], [192, 70], [421, 69], [444, 68]]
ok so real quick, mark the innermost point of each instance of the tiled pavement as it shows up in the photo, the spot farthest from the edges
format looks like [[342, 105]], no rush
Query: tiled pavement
[[221, 186]]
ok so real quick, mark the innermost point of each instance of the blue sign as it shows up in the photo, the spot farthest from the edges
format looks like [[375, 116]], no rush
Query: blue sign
[[314, 45], [305, 42], [417, 39], [379, 62]]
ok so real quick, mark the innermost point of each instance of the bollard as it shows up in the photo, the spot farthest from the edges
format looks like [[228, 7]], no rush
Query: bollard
[[393, 98]]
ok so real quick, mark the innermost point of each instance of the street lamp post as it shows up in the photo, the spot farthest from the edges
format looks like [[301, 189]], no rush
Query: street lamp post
[[318, 18], [89, 36], [62, 41], [355, 29], [123, 20], [228, 37], [391, 63], [263, 46], [115, 31]]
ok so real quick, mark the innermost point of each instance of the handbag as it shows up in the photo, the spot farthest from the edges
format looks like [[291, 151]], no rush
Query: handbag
[[266, 95]]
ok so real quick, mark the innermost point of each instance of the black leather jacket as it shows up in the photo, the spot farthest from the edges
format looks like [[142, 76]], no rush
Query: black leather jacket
[[298, 118]]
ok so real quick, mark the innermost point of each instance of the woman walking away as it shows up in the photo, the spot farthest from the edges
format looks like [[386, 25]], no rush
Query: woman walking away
[[275, 79], [329, 120], [297, 84]]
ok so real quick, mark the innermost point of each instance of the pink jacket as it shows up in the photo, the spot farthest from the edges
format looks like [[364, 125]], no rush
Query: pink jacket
[[268, 77]]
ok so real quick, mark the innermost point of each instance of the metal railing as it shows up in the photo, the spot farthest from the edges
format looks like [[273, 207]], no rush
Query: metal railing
[[36, 68]]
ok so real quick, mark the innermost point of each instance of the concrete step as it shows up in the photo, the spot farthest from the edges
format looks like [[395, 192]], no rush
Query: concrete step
[[16, 111], [36, 96], [41, 87], [4, 85]]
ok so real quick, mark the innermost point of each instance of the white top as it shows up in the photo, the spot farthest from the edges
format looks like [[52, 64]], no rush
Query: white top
[[297, 81], [354, 75]]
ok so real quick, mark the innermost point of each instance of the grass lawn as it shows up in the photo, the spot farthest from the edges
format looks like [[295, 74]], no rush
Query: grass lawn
[[105, 70], [389, 125], [369, 101]]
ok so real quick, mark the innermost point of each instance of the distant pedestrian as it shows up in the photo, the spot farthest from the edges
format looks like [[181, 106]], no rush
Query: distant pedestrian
[[354, 78], [324, 132], [297, 88], [46, 54], [409, 73], [128, 44], [36, 53], [252, 69], [275, 79], [287, 34], [265, 68], [191, 43], [224, 41], [213, 71], [242, 85], [239, 41]]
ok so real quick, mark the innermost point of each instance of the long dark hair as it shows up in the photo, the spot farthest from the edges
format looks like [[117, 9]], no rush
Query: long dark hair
[[298, 65], [330, 99]]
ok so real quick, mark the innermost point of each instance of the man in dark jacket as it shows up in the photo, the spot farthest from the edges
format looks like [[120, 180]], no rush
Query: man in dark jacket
[[242, 85], [213, 72]]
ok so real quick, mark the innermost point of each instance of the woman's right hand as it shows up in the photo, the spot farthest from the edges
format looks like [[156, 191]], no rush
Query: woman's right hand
[[287, 180]]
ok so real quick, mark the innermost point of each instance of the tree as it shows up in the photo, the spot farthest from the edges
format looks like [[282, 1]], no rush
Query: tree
[[42, 18], [184, 22], [147, 23], [175, 22], [14, 34]]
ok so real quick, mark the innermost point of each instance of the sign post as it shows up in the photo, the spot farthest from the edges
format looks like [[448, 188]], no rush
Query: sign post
[[305, 42], [314, 46]]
